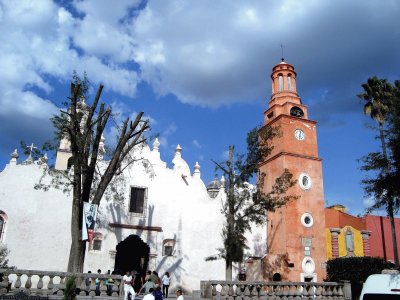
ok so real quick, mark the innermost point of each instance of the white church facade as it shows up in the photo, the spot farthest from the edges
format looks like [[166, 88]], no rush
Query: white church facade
[[166, 220]]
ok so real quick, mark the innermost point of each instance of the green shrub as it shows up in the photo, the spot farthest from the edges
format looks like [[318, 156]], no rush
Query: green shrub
[[355, 269], [70, 289]]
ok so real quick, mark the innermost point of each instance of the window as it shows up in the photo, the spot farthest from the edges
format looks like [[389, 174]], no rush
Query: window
[[3, 222], [289, 83], [349, 240], [97, 245], [168, 247], [305, 181], [280, 83], [307, 220], [137, 202], [296, 112], [97, 241]]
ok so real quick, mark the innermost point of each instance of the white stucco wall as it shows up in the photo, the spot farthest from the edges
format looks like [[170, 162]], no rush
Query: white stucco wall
[[38, 227]]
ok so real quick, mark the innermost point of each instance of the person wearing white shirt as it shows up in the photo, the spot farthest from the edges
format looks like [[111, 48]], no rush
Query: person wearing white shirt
[[179, 295], [165, 280], [127, 279], [150, 295]]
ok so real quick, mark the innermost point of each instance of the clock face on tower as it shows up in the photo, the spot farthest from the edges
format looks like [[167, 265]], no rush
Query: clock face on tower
[[299, 134]]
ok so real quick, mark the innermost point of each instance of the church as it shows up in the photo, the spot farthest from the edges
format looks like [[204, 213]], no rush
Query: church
[[168, 219]]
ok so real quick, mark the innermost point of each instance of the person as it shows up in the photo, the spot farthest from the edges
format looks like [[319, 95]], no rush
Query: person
[[128, 289], [88, 280], [154, 277], [109, 283], [148, 273], [179, 295], [147, 286], [150, 295], [165, 280], [98, 283], [158, 294]]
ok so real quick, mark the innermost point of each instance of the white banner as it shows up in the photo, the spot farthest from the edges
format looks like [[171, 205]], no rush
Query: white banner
[[88, 220]]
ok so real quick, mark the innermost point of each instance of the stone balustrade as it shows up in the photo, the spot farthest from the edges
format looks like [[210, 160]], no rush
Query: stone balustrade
[[53, 284], [230, 290]]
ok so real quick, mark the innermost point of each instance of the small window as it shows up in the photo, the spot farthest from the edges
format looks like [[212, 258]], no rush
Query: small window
[[296, 112], [137, 202], [168, 247], [289, 83], [280, 83], [349, 240], [96, 242], [1, 227], [305, 181], [97, 245], [3, 222], [307, 220]]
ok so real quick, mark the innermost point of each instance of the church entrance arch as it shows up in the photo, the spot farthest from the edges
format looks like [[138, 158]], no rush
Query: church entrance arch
[[132, 255]]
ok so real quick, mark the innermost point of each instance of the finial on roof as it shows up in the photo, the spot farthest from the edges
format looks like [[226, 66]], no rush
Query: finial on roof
[[196, 172], [178, 149], [15, 154], [222, 181], [156, 144], [282, 59]]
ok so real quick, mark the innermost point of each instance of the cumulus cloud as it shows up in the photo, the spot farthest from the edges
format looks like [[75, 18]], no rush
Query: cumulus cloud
[[206, 53], [196, 144], [211, 57]]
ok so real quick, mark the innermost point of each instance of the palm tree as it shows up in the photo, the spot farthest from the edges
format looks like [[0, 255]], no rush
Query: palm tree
[[378, 94]]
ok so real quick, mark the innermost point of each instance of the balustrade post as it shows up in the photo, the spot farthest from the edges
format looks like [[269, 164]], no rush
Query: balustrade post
[[28, 283], [61, 286], [115, 288], [347, 290], [17, 284]]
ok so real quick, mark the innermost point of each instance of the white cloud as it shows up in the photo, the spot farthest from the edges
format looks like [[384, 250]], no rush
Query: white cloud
[[163, 139], [196, 144], [368, 202]]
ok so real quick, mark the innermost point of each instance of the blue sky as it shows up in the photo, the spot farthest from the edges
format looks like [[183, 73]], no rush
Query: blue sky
[[200, 70]]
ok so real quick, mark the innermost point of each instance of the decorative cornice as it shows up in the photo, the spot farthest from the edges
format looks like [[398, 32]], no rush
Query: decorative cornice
[[290, 154]]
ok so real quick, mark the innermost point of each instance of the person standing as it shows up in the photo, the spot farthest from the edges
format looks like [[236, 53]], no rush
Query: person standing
[[98, 283], [127, 279], [165, 280], [179, 295]]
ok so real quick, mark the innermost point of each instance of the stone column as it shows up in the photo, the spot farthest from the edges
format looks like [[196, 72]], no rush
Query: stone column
[[365, 238], [335, 241]]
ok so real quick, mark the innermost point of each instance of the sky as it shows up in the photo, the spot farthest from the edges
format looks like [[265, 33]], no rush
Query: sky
[[200, 70]]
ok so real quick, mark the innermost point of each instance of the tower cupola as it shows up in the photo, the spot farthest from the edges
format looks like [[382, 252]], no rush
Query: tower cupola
[[283, 84]]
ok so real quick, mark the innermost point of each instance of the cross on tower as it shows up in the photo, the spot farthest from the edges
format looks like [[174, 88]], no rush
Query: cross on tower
[[31, 147]]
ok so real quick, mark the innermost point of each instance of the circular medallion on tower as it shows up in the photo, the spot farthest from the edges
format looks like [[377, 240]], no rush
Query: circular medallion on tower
[[296, 112], [305, 181], [299, 134], [307, 220]]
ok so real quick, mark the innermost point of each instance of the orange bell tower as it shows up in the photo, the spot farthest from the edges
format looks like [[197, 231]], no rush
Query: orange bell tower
[[296, 232]]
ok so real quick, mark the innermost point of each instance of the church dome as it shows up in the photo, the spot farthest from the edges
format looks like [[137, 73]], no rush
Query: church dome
[[213, 187]]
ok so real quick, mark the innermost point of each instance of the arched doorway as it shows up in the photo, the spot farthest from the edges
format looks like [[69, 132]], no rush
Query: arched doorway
[[132, 254]]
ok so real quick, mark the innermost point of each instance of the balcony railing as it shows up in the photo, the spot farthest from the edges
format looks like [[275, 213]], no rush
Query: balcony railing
[[230, 290], [46, 283]]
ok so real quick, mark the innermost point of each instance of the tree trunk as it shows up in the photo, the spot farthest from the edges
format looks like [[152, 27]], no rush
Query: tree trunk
[[228, 271], [390, 204], [78, 247], [394, 238]]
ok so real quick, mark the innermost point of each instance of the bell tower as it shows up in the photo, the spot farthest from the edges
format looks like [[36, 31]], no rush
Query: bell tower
[[296, 232]]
